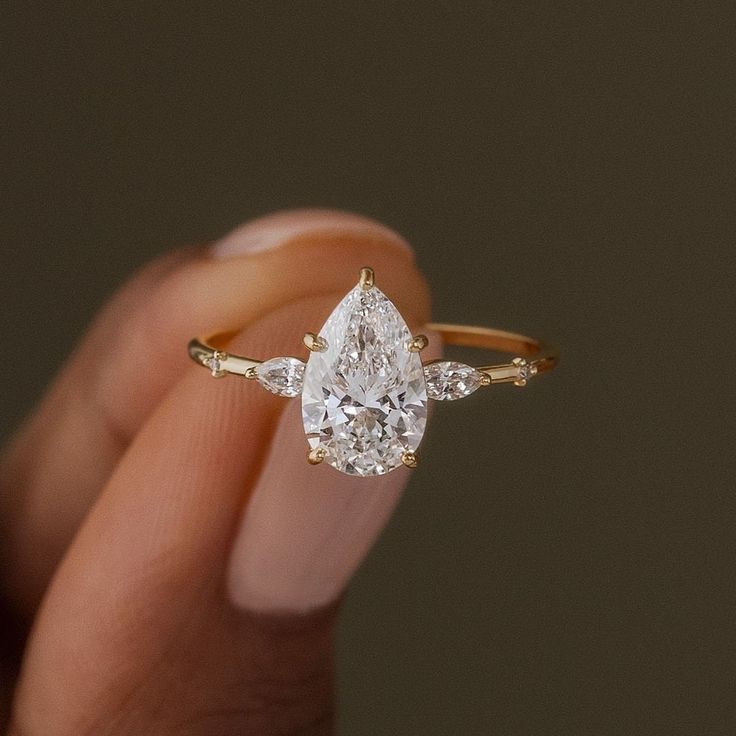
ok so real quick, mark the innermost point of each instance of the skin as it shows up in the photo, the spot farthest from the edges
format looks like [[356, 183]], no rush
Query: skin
[[127, 576], [130, 593]]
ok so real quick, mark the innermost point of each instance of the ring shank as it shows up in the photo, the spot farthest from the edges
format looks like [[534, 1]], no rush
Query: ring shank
[[540, 357]]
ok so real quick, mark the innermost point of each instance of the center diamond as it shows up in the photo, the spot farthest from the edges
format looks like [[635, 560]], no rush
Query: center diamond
[[364, 400]]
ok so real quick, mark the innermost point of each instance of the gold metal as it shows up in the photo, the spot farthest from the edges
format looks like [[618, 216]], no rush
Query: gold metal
[[532, 356], [316, 456], [204, 350], [526, 371], [367, 278], [314, 342], [215, 364], [418, 343], [540, 357]]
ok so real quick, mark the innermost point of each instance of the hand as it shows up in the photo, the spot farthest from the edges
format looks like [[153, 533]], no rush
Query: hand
[[179, 561]]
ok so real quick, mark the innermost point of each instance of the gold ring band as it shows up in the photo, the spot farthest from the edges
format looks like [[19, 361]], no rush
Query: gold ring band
[[532, 356], [364, 389]]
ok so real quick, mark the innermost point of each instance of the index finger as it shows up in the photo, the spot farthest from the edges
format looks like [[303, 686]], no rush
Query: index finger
[[134, 353]]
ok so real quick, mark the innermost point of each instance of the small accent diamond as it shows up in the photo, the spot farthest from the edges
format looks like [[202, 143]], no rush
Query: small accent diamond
[[281, 376], [215, 365], [526, 371], [448, 380]]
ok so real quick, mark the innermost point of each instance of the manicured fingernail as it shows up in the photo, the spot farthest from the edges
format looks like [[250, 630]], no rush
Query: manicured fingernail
[[275, 230], [306, 528]]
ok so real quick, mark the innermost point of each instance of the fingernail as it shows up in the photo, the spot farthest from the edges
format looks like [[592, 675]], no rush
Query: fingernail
[[275, 230], [306, 528]]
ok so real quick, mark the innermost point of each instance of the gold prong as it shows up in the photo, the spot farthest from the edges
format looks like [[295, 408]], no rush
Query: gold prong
[[251, 373], [520, 382], [485, 380], [315, 343], [367, 278], [316, 456], [418, 343], [409, 459]]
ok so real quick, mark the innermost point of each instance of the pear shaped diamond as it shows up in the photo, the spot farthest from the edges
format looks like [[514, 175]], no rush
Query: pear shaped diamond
[[364, 400]]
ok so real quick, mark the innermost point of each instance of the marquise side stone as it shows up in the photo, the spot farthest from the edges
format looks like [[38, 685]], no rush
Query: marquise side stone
[[281, 376], [449, 380]]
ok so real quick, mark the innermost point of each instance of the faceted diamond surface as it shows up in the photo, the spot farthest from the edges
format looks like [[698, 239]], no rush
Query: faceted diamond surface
[[527, 371], [214, 365], [448, 380], [364, 399], [282, 376]]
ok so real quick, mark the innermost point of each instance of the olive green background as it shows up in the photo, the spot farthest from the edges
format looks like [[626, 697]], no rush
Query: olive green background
[[564, 559]]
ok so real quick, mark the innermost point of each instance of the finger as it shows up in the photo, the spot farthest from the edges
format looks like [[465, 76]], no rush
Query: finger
[[143, 624], [66, 452], [296, 550]]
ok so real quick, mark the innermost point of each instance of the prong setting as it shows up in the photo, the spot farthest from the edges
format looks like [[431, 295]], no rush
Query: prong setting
[[215, 364], [367, 278], [316, 456], [417, 343], [315, 343], [409, 459], [526, 371]]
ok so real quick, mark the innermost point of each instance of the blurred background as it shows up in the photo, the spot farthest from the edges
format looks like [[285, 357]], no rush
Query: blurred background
[[563, 562]]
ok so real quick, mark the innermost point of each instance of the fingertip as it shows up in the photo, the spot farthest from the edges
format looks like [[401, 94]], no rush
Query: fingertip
[[279, 228], [306, 528]]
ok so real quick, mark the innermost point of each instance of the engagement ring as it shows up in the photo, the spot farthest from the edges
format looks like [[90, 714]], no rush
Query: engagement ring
[[364, 388]]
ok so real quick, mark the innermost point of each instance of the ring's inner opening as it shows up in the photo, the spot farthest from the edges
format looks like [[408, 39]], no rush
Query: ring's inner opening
[[477, 356], [486, 339]]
